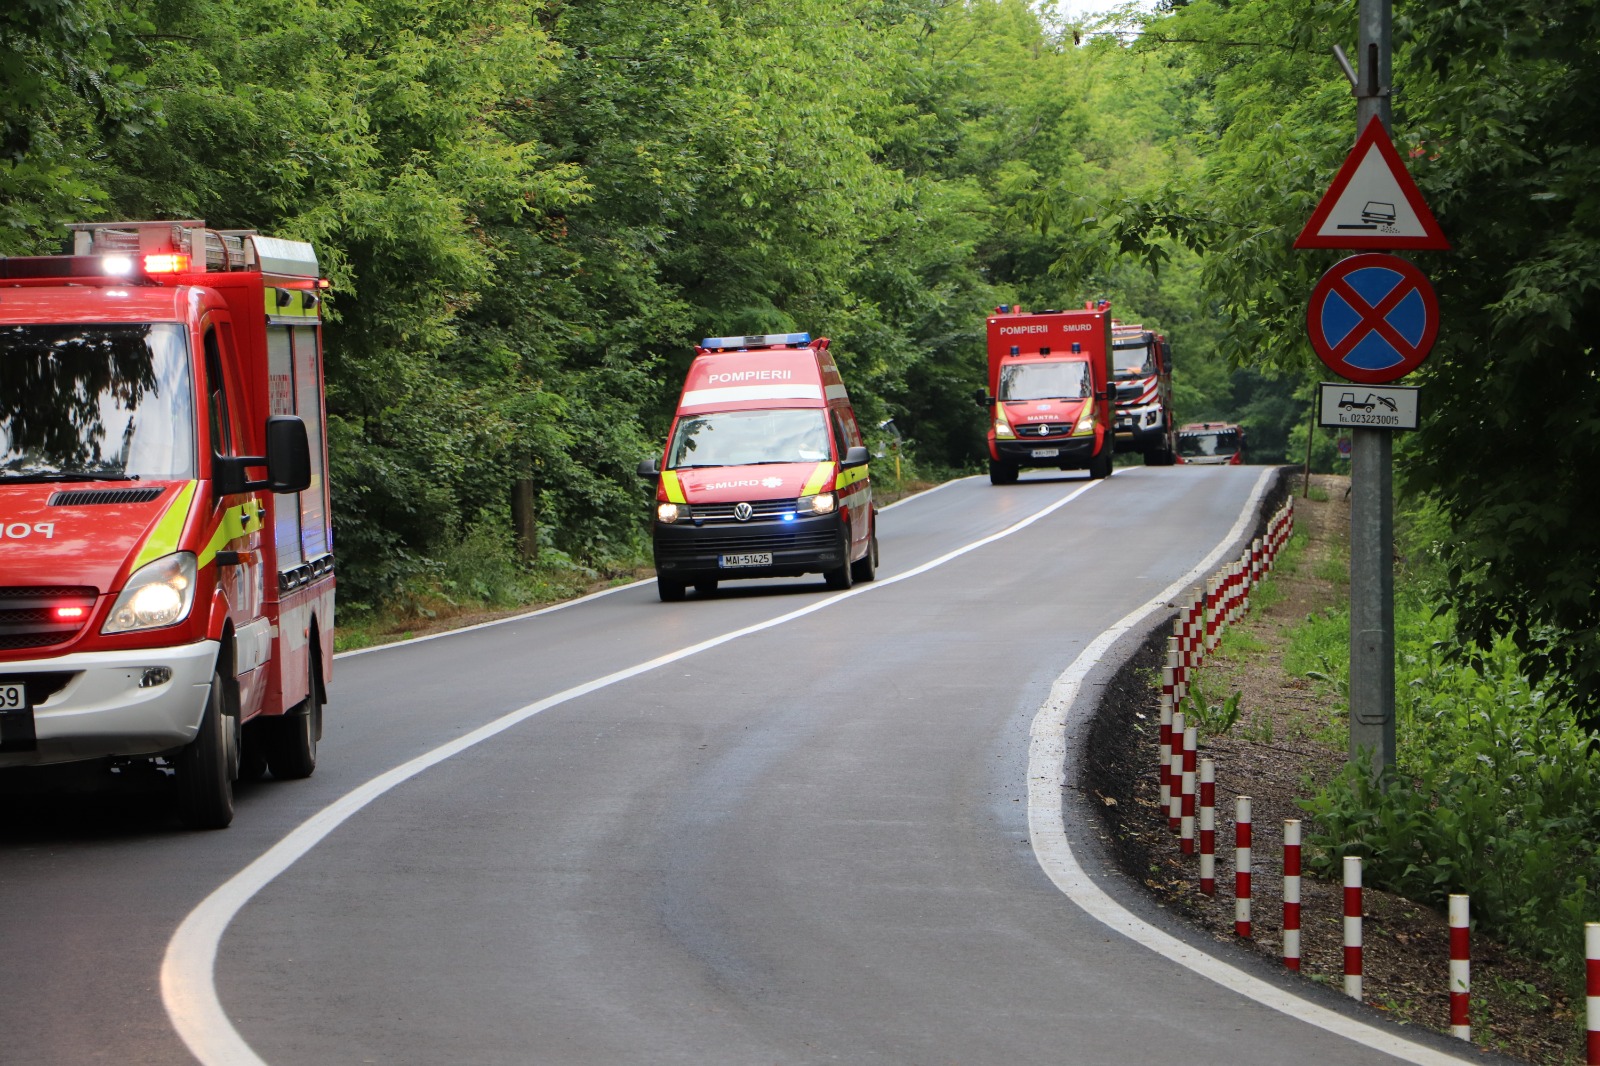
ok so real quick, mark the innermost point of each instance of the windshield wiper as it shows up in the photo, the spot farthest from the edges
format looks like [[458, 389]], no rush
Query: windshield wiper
[[29, 478]]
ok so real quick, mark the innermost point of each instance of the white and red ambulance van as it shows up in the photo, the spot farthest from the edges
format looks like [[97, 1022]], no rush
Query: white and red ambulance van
[[764, 473]]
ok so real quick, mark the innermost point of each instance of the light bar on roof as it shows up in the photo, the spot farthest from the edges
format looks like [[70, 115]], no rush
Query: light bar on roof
[[766, 340]]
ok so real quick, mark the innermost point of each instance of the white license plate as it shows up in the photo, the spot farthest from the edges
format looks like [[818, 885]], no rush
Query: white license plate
[[13, 697], [728, 562], [1046, 453]]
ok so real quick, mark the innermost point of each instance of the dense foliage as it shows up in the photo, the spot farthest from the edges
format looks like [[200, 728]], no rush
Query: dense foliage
[[1497, 789]]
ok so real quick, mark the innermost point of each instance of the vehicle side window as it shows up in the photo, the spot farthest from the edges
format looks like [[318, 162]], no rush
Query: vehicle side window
[[217, 398], [841, 439]]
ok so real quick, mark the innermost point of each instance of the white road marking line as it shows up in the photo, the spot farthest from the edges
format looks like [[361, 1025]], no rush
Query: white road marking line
[[188, 969], [1047, 752]]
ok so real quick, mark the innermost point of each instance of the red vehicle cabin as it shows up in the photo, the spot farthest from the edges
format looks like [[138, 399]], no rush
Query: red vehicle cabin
[[167, 585], [1050, 394], [765, 470], [1211, 444]]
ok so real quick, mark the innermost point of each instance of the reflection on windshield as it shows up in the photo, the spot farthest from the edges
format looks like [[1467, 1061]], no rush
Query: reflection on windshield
[[740, 438], [98, 400], [1200, 445], [1044, 381], [1133, 362]]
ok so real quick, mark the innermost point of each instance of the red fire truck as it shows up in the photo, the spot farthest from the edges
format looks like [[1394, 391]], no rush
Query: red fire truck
[[1211, 444], [1050, 391], [166, 565], [1144, 393]]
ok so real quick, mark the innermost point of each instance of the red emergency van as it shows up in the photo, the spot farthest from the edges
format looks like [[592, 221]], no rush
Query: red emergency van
[[166, 565], [764, 473], [1050, 391]]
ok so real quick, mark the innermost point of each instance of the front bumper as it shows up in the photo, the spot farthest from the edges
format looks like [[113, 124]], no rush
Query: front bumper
[[808, 545], [93, 706], [1139, 428], [1069, 451]]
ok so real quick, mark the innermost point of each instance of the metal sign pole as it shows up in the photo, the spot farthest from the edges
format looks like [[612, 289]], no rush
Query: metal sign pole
[[1371, 500]]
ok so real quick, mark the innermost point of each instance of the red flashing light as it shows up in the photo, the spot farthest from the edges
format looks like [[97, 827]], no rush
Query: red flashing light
[[166, 263], [70, 614]]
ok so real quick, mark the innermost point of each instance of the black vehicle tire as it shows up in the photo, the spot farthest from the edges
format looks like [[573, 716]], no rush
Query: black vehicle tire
[[1002, 473], [207, 765], [706, 586], [843, 575], [1100, 465], [292, 738], [866, 567], [670, 589]]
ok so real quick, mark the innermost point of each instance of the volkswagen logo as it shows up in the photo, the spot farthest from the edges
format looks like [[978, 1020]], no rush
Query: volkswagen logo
[[743, 511]]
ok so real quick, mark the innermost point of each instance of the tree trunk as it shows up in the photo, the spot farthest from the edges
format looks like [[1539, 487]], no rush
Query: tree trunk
[[522, 520]]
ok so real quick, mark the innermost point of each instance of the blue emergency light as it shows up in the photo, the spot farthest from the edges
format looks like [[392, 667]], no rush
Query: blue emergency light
[[766, 340]]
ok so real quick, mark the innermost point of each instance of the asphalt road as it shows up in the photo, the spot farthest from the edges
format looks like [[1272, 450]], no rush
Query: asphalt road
[[806, 842]]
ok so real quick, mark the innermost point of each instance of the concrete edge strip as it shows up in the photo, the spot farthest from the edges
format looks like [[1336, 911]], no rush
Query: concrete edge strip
[[563, 605], [188, 967], [1047, 751]]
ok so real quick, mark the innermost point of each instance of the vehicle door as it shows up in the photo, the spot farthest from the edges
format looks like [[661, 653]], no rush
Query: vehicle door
[[234, 545]]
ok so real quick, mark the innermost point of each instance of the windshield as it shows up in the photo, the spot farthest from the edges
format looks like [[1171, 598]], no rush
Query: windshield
[[1044, 381], [1133, 362], [1200, 445], [745, 438], [95, 402]]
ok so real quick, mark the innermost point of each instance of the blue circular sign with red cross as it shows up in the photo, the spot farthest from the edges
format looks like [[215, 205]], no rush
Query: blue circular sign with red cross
[[1373, 318]]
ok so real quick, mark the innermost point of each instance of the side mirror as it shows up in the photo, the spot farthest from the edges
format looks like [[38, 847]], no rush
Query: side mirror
[[650, 469], [1111, 394], [288, 454], [982, 398], [856, 456], [288, 461]]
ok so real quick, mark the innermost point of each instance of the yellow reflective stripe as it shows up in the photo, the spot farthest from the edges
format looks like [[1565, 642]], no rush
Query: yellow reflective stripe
[[669, 481], [851, 476], [819, 477], [237, 521], [163, 539]]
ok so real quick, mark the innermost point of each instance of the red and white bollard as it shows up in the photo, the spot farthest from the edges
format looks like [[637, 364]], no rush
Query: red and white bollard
[[1208, 827], [1165, 766], [1291, 893], [1241, 867], [1591, 944], [1175, 774], [1186, 808], [1352, 926], [1460, 969]]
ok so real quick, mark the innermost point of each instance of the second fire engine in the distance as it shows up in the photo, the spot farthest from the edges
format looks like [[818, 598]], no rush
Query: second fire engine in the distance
[[1144, 393]]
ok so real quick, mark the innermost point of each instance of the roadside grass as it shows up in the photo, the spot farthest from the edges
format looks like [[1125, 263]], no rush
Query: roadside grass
[[1496, 791]]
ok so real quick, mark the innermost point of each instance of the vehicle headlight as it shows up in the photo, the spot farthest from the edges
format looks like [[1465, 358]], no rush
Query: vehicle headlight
[[1002, 428], [821, 503], [669, 513], [158, 594], [1085, 419]]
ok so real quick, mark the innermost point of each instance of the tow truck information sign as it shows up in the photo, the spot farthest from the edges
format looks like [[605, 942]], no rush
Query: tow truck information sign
[[1372, 406]]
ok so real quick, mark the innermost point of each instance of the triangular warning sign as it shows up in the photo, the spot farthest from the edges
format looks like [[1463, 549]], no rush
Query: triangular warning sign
[[1372, 203]]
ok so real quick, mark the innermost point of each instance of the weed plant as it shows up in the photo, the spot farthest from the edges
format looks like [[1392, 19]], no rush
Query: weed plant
[[1496, 792]]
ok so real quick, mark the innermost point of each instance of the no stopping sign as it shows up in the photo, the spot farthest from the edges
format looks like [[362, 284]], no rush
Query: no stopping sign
[[1373, 318]]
